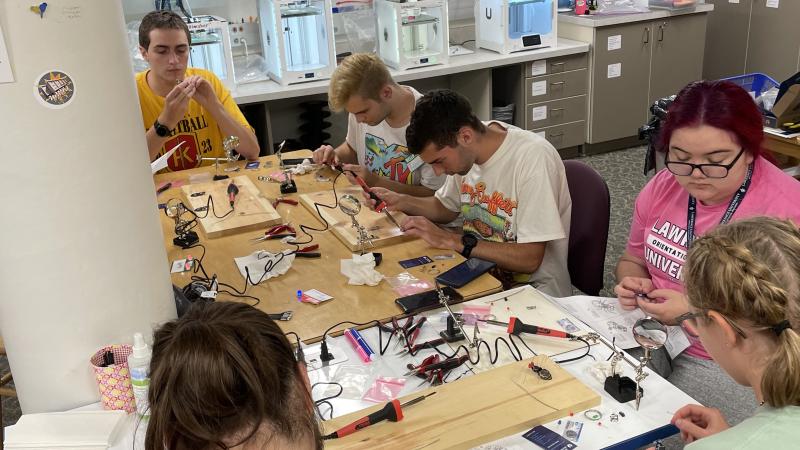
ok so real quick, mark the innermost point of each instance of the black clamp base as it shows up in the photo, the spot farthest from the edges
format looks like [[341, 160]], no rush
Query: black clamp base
[[220, 177], [186, 240], [623, 389], [451, 334], [288, 187]]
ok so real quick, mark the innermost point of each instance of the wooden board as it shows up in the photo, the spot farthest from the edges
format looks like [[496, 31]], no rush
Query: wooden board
[[252, 209], [377, 224], [500, 402]]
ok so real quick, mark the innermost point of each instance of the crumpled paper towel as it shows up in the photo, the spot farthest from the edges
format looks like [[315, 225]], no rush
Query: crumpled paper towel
[[257, 262], [303, 168], [361, 270]]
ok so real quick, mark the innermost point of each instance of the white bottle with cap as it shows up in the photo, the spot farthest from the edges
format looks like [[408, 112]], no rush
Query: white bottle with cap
[[139, 367]]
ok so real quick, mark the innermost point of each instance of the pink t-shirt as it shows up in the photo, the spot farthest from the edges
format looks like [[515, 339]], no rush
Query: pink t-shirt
[[658, 228]]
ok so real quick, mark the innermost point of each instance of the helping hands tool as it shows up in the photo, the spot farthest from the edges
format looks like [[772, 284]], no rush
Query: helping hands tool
[[380, 205], [517, 327], [393, 412]]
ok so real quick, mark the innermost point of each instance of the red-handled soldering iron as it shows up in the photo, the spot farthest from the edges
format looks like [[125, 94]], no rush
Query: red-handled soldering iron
[[393, 412], [233, 190], [516, 327]]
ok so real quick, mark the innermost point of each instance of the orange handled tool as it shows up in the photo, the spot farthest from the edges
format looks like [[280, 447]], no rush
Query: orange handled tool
[[393, 411]]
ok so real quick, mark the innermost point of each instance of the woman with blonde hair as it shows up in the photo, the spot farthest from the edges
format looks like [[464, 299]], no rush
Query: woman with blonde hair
[[743, 289]]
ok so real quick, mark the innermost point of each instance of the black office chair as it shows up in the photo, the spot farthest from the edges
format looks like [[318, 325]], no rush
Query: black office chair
[[588, 234]]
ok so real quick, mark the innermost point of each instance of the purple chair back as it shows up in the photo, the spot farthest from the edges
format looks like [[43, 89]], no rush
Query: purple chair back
[[588, 234]]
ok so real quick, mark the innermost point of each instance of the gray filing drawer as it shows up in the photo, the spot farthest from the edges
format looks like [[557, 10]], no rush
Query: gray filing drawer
[[555, 86], [566, 135], [556, 65], [555, 113]]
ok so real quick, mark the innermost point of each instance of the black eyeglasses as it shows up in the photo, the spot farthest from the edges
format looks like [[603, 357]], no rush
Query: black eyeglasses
[[690, 317], [710, 170]]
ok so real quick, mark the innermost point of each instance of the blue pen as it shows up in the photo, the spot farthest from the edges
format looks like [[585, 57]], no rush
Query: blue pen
[[363, 343]]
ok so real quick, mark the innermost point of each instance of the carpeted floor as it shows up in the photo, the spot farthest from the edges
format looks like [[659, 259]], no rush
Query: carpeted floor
[[622, 171]]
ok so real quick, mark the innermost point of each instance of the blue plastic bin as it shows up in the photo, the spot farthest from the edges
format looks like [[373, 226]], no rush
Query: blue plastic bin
[[756, 83]]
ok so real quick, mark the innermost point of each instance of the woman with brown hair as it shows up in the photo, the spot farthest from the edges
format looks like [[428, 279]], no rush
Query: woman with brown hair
[[743, 289], [224, 376]]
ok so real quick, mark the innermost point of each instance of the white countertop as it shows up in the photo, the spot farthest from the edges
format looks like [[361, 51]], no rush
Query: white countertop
[[604, 20], [482, 59]]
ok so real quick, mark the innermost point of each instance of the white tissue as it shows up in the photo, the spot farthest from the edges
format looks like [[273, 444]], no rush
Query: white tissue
[[303, 168], [258, 260], [361, 270]]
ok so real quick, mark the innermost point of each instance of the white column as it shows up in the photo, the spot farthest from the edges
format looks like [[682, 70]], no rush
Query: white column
[[82, 262]]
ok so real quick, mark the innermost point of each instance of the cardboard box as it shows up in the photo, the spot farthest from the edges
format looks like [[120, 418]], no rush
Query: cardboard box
[[787, 109]]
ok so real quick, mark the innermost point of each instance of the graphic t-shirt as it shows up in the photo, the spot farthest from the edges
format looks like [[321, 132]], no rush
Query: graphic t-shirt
[[383, 151], [658, 228], [519, 195], [769, 428], [198, 129]]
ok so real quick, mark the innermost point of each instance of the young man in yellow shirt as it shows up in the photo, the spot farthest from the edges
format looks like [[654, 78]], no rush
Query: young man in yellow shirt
[[181, 104]]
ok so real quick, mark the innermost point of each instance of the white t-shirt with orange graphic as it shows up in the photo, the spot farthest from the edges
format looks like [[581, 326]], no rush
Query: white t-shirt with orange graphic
[[519, 195]]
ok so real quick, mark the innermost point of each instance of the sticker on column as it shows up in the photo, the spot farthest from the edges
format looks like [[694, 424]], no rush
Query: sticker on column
[[773, 3], [615, 70], [539, 67], [6, 76], [55, 89], [538, 88], [539, 113], [733, 1], [614, 42]]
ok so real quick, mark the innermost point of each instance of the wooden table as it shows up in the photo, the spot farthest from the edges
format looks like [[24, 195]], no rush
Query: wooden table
[[354, 303], [789, 147]]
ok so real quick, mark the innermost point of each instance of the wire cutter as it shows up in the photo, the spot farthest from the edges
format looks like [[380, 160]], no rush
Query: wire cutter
[[307, 252], [417, 347], [409, 334], [276, 232], [420, 369]]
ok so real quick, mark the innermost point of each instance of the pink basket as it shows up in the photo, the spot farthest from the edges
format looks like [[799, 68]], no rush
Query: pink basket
[[114, 381]]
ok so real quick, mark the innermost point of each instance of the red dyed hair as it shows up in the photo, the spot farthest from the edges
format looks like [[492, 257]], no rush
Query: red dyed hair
[[719, 104]]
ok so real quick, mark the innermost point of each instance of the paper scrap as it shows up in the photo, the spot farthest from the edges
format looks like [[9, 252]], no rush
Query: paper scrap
[[6, 75], [614, 42], [162, 160], [614, 70], [539, 67], [539, 113], [317, 295], [538, 88], [773, 3], [605, 316]]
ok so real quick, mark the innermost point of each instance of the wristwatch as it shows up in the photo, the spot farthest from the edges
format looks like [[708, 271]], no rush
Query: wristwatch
[[469, 241], [161, 130]]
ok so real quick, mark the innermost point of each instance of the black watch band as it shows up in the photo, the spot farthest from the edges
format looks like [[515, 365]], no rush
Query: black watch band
[[161, 130], [469, 241]]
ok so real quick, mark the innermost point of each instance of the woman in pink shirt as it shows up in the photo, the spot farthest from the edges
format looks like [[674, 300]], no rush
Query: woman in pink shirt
[[716, 172]]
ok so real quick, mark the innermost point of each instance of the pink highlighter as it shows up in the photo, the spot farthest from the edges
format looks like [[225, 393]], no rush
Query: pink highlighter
[[354, 342]]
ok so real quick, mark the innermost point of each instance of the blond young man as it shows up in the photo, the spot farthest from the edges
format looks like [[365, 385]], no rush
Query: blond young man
[[379, 113]]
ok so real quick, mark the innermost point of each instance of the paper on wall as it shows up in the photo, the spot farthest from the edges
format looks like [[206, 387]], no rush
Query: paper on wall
[[6, 75], [605, 316], [614, 42], [614, 70], [773, 3]]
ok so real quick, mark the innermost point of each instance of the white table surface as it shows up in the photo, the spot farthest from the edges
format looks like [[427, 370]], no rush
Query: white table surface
[[660, 401]]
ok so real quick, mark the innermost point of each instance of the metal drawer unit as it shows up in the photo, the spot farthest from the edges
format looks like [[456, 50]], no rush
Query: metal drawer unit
[[555, 101]]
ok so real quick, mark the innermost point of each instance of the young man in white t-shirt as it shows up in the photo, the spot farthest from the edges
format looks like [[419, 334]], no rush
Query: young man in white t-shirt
[[508, 184], [379, 111]]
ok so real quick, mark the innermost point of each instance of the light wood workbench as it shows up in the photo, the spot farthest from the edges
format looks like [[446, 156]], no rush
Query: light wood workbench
[[784, 146], [354, 303]]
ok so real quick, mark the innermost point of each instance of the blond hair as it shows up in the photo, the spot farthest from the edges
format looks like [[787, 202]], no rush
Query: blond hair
[[749, 271], [361, 74]]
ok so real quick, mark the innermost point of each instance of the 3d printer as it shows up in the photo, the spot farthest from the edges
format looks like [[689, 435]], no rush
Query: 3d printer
[[508, 26], [412, 34], [297, 37], [211, 46]]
